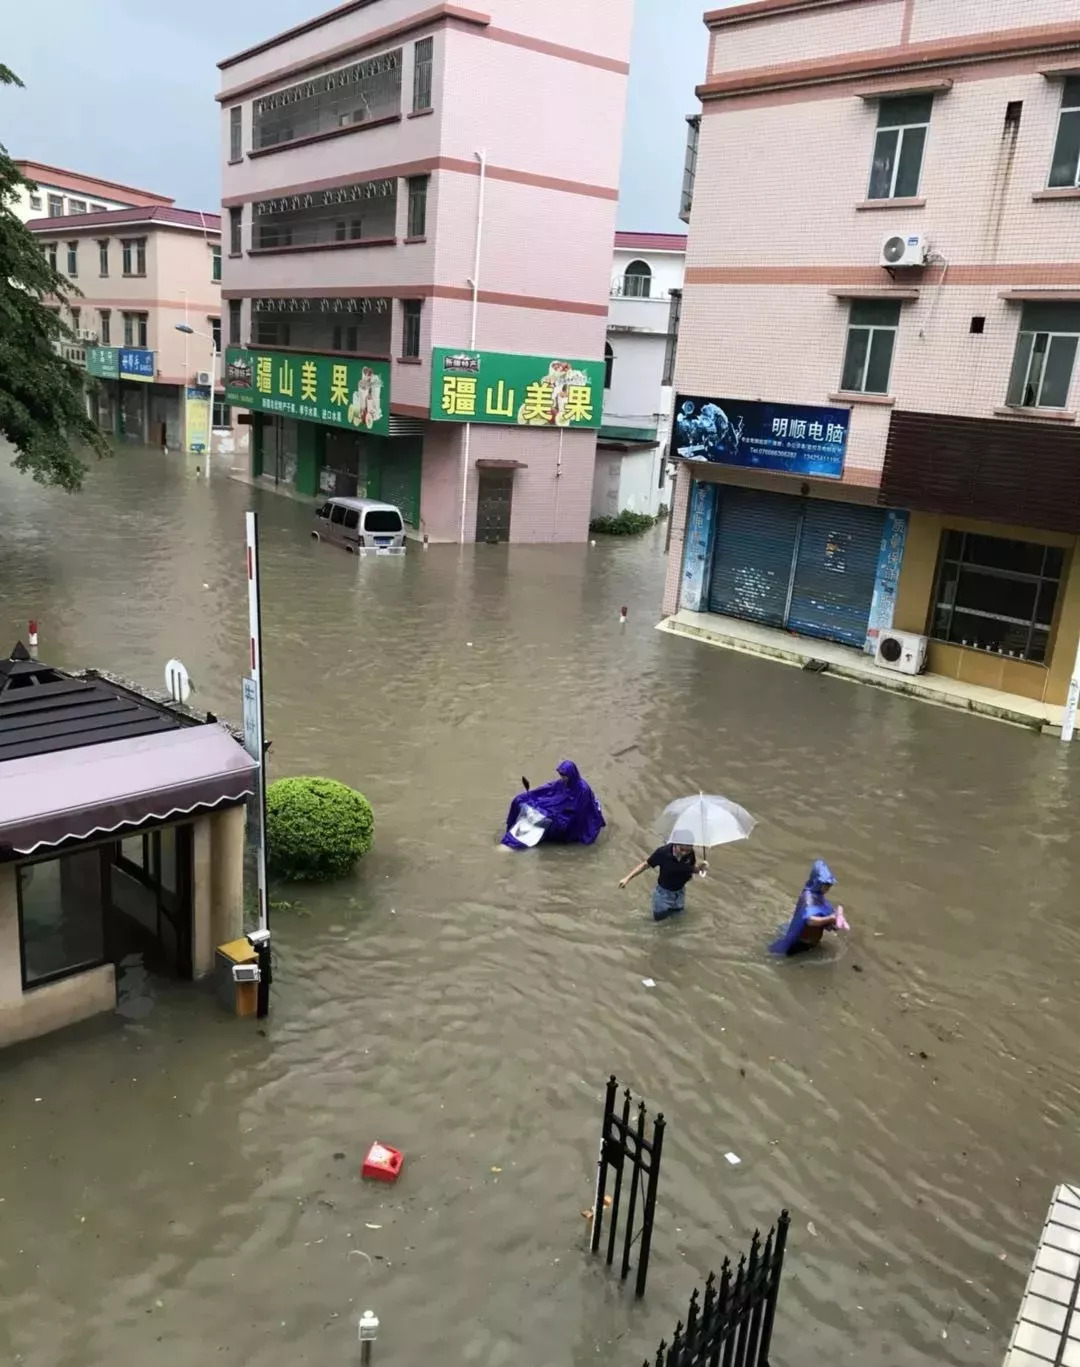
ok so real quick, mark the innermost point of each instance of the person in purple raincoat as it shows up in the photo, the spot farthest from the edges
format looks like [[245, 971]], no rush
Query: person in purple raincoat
[[564, 811], [814, 914]]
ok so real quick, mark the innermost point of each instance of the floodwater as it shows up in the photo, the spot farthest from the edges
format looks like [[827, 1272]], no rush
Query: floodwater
[[180, 1188]]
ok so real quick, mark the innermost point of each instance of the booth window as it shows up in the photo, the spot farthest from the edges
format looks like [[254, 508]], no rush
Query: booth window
[[61, 916]]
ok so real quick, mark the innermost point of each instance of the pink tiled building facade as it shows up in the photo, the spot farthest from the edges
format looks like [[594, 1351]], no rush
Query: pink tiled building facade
[[877, 364], [400, 178]]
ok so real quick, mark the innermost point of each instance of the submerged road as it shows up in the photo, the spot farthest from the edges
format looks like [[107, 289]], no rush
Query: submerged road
[[182, 1188]]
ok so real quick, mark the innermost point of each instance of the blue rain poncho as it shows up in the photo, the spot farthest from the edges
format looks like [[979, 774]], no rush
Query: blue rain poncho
[[812, 902]]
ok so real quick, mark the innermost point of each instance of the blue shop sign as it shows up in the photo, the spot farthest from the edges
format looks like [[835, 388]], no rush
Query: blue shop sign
[[136, 364], [792, 438]]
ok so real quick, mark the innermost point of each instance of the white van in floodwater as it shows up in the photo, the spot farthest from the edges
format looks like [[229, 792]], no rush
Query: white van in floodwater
[[361, 525]]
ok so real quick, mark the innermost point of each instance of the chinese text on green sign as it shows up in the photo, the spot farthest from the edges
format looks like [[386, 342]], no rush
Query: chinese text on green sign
[[525, 391], [324, 389]]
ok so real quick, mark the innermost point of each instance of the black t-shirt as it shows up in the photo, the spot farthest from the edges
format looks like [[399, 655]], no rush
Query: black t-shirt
[[674, 873]]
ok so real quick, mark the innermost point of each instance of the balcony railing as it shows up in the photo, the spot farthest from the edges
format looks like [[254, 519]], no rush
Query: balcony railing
[[637, 287], [361, 326], [362, 93], [362, 212]]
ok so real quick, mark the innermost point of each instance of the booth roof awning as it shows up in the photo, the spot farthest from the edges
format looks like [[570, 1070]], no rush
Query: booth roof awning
[[74, 794]]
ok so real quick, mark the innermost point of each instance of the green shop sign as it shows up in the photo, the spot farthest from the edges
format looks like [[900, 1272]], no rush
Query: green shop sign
[[103, 361], [325, 389], [522, 391]]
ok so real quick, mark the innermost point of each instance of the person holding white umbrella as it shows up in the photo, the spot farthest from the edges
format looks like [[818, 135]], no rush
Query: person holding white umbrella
[[704, 820], [675, 865]]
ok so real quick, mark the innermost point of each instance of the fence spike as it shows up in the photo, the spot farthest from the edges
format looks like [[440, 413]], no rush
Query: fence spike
[[660, 1354], [692, 1317], [710, 1297]]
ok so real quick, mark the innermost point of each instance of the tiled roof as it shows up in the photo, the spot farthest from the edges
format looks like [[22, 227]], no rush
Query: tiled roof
[[651, 242], [60, 179], [164, 215]]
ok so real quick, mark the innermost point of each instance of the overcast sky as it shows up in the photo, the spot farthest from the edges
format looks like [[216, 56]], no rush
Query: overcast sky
[[124, 89]]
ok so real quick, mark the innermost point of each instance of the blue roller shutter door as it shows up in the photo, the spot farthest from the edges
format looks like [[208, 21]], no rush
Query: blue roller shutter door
[[835, 571], [755, 543]]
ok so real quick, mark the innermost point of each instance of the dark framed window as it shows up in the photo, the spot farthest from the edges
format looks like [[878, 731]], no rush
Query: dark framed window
[[135, 329], [56, 206], [423, 67], [352, 519], [411, 310], [637, 282], [234, 322], [902, 125], [609, 364], [1045, 356], [73, 259], [674, 321], [76, 320], [76, 206], [50, 253], [418, 192], [236, 132], [337, 515], [215, 264], [236, 230], [996, 595], [61, 906], [134, 255], [1065, 166], [104, 326], [871, 341], [103, 256], [215, 332], [129, 329], [222, 413]]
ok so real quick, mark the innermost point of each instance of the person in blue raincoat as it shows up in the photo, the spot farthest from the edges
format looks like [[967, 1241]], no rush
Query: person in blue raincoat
[[564, 811], [814, 914]]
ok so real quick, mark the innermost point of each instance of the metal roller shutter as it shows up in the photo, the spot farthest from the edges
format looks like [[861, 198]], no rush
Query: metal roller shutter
[[754, 548], [835, 571]]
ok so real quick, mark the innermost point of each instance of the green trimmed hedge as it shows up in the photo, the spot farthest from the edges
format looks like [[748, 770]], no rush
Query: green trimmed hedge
[[625, 524], [316, 828]]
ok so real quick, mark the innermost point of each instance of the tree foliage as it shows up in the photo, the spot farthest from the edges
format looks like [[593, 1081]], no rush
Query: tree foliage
[[42, 395], [316, 828]]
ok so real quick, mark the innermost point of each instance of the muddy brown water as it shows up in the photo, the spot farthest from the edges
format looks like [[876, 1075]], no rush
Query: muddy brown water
[[178, 1188]]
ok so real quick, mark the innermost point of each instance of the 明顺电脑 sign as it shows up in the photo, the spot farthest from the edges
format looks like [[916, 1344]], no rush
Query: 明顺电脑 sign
[[338, 391], [519, 391], [796, 439]]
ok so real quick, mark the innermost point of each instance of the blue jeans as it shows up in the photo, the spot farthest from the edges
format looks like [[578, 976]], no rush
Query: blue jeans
[[666, 903]]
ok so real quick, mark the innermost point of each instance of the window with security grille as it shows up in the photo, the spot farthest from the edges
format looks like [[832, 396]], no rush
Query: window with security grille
[[996, 595]]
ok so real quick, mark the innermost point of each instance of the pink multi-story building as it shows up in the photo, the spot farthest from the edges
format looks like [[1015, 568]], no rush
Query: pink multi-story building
[[141, 275], [877, 365], [419, 207]]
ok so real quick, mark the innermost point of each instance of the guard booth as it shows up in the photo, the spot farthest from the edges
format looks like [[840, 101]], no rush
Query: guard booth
[[122, 831]]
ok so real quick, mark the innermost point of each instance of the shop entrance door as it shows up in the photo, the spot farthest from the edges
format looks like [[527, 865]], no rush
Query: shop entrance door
[[494, 505], [805, 565], [147, 882]]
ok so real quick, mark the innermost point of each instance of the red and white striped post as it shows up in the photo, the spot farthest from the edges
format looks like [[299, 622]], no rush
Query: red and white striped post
[[255, 661]]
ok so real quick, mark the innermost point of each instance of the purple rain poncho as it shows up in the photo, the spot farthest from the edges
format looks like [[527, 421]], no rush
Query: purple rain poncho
[[812, 902], [567, 804]]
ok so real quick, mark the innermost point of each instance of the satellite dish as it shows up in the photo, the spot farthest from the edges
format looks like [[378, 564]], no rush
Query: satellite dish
[[177, 681]]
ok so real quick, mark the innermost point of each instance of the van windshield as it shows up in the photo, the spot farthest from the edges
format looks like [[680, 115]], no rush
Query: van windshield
[[383, 520]]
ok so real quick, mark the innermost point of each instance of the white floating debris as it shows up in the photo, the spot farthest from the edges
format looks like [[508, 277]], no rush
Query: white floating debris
[[733, 1159], [648, 982]]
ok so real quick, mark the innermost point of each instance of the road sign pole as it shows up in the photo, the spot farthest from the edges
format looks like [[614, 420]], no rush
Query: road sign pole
[[255, 662]]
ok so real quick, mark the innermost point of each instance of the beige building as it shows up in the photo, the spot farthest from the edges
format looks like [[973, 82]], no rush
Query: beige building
[[121, 841], [54, 193], [877, 369], [141, 272]]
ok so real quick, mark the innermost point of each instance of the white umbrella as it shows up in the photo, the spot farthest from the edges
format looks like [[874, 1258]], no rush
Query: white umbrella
[[706, 819]]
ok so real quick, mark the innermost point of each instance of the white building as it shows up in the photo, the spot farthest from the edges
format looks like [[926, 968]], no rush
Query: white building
[[643, 324], [58, 193]]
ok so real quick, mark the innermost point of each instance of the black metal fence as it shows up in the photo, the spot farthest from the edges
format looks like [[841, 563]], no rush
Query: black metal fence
[[731, 1326], [625, 1145]]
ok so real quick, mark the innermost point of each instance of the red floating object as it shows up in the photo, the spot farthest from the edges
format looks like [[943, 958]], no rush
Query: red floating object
[[383, 1163]]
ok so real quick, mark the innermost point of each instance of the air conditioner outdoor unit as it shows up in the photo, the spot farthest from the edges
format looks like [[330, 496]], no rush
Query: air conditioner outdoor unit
[[904, 250], [86, 335], [202, 378], [901, 651]]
